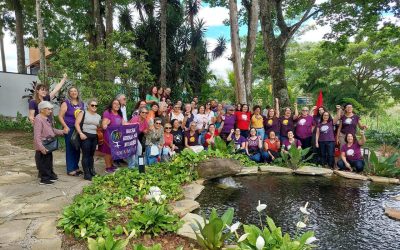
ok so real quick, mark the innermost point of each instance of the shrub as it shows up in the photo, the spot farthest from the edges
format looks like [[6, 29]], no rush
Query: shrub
[[20, 123], [384, 166], [294, 157]]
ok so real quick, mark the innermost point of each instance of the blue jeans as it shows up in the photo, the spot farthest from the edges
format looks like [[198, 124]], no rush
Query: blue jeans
[[72, 155], [265, 156], [327, 150], [150, 160], [358, 165], [261, 133], [244, 133], [133, 161]]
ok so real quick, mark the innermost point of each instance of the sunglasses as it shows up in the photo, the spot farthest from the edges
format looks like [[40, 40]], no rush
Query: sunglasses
[[168, 127], [144, 112], [158, 123], [94, 105]]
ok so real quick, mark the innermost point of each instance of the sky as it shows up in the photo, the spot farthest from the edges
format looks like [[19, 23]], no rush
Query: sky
[[213, 18]]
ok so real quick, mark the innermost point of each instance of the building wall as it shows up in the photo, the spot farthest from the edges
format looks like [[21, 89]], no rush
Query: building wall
[[12, 88]]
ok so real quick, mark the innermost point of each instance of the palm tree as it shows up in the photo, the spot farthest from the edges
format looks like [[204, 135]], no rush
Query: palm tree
[[163, 42], [16, 7]]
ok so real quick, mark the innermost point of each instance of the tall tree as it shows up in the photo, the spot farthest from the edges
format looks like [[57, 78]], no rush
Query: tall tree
[[163, 41], [98, 21], [109, 11], [16, 6], [43, 68], [275, 43], [2, 53], [253, 13], [241, 95]]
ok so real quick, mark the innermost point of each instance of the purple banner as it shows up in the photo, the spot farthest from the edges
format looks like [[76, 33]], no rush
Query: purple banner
[[123, 140]]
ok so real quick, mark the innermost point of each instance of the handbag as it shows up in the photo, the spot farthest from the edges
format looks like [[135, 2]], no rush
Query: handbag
[[75, 138], [100, 136], [51, 144], [154, 150]]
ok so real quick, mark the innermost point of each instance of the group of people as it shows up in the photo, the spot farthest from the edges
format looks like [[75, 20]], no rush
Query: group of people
[[166, 128]]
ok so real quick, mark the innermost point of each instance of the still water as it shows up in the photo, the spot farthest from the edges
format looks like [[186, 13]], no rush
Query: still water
[[345, 214]]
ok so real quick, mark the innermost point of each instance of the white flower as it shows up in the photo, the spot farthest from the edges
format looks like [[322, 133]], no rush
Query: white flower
[[243, 237], [311, 240], [300, 224], [234, 227], [304, 209], [260, 206], [260, 243]]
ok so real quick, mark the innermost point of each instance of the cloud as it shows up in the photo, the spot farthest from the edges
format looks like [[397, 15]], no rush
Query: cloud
[[222, 65], [213, 16], [315, 32]]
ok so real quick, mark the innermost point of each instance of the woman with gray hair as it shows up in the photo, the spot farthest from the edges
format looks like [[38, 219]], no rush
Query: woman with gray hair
[[154, 142], [86, 125], [70, 108], [43, 130]]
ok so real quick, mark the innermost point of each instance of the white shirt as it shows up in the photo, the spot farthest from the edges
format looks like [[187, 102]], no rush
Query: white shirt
[[123, 110]]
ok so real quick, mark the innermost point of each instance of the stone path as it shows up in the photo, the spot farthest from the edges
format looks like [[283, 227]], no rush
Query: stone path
[[29, 211]]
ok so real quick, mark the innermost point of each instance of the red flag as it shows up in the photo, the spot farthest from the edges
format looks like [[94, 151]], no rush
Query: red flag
[[319, 103]]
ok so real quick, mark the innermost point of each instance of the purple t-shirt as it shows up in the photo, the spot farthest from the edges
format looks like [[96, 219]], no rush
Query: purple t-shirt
[[271, 124], [253, 144], [229, 123], [288, 145], [304, 126], [115, 119], [193, 140], [326, 131], [239, 141], [34, 106], [353, 153], [287, 124], [349, 124], [69, 117]]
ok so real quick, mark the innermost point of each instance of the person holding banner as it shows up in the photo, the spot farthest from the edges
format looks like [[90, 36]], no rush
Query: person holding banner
[[86, 125], [154, 142], [112, 116]]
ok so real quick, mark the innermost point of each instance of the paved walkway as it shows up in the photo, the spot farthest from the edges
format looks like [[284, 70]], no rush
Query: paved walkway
[[29, 211]]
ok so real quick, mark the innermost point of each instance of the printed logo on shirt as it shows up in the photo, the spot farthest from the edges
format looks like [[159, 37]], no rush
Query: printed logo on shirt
[[270, 121], [350, 152], [285, 122], [244, 117], [324, 129], [302, 122], [348, 121], [192, 139], [289, 146], [178, 138]]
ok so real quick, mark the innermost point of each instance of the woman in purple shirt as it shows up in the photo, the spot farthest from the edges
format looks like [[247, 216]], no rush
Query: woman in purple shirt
[[286, 124], [348, 124], [271, 120], [228, 123], [351, 156], [287, 144], [253, 146], [304, 126], [112, 116], [239, 141], [325, 138], [70, 108]]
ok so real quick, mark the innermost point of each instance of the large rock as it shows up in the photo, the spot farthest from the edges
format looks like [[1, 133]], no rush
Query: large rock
[[186, 230], [275, 169], [392, 213], [47, 228], [215, 168], [183, 207], [192, 191], [351, 175], [381, 179], [248, 171], [308, 170]]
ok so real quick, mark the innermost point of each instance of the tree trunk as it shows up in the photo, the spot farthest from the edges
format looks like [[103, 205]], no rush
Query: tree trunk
[[19, 36], [3, 56], [250, 47], [236, 56], [43, 68], [163, 41], [109, 17], [276, 60], [98, 22]]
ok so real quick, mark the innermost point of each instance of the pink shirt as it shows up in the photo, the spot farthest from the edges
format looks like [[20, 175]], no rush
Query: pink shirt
[[43, 129], [142, 125]]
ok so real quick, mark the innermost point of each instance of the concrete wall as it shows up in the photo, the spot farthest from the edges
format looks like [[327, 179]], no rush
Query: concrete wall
[[12, 88]]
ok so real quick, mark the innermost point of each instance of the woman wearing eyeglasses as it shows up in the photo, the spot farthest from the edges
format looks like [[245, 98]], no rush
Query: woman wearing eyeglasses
[[176, 113], [168, 148], [86, 125], [192, 138], [139, 119], [154, 142]]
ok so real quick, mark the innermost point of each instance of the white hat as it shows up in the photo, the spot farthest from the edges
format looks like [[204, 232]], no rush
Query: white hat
[[44, 104]]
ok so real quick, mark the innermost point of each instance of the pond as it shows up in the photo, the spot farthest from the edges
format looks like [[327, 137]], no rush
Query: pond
[[345, 214]]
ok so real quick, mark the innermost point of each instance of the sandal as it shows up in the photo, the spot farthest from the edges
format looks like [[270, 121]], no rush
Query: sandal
[[79, 172], [73, 173]]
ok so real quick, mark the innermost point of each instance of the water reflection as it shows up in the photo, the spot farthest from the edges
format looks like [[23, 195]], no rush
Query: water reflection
[[345, 214]]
